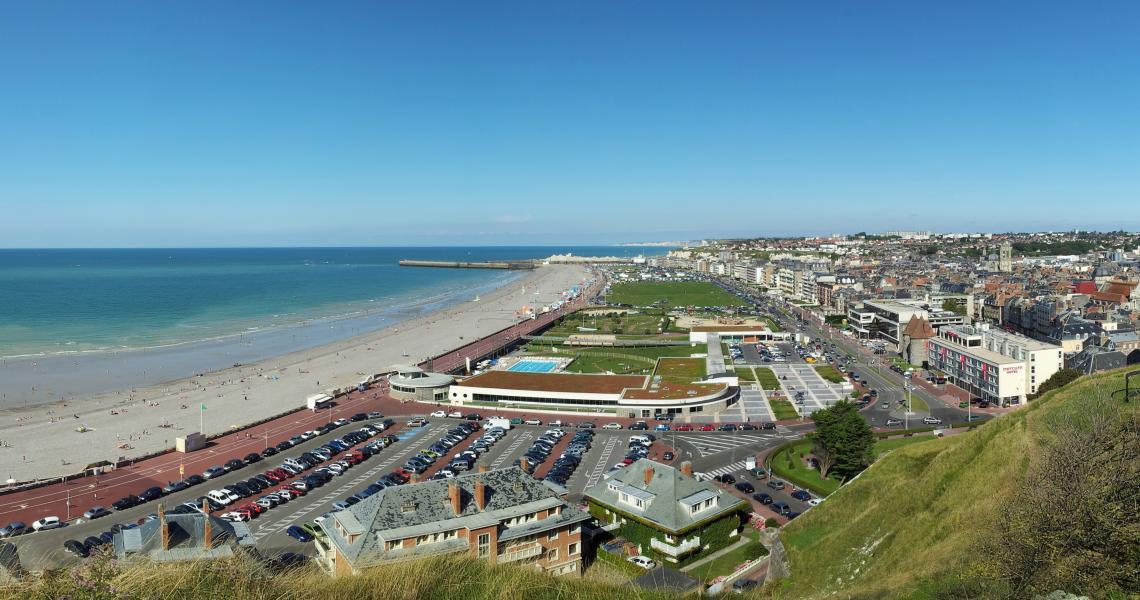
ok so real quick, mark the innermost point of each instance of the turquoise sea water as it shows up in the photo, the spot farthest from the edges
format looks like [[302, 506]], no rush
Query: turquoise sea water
[[65, 301]]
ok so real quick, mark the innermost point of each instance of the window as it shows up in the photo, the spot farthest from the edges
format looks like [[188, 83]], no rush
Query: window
[[553, 535], [572, 549], [554, 554], [575, 529], [483, 545]]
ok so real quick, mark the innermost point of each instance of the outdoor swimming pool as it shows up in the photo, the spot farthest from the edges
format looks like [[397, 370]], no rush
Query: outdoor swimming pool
[[529, 365]]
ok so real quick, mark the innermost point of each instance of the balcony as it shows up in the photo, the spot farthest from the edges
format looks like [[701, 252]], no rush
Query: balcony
[[519, 552], [675, 550]]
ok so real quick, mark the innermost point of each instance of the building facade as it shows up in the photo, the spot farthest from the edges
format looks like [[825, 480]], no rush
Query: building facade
[[504, 516], [666, 512], [993, 364]]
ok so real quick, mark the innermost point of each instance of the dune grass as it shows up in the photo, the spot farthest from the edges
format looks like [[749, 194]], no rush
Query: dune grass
[[445, 578]]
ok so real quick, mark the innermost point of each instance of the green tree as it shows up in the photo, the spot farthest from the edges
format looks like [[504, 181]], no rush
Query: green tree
[[842, 441], [950, 305], [1056, 381]]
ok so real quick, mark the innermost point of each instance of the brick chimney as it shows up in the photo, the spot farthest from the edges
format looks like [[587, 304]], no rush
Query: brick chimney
[[163, 530], [453, 497], [687, 468], [480, 494], [207, 527], [648, 475]]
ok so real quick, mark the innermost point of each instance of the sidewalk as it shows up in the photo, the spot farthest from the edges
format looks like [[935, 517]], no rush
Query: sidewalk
[[715, 555]]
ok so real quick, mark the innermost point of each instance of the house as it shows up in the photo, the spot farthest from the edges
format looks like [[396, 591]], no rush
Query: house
[[666, 512], [502, 515], [189, 535]]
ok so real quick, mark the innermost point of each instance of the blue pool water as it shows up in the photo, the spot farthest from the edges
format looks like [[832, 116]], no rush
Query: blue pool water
[[533, 366]]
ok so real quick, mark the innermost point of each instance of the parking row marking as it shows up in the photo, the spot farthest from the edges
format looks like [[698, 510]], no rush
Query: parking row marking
[[603, 461], [268, 528], [522, 437]]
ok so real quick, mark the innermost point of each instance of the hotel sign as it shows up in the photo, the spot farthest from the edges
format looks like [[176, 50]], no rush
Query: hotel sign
[[1011, 370]]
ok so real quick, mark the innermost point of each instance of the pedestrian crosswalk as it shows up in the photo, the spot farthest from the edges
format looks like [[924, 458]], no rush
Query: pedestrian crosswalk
[[727, 469], [707, 445]]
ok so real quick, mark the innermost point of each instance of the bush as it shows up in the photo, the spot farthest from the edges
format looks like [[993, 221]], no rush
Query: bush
[[771, 522]]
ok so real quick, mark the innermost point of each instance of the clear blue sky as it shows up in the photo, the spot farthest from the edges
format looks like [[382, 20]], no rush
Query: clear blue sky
[[275, 123]]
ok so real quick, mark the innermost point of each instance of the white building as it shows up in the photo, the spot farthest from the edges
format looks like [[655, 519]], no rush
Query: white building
[[993, 364]]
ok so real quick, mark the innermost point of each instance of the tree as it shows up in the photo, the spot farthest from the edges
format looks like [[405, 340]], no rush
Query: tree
[[953, 306], [842, 440], [1056, 381]]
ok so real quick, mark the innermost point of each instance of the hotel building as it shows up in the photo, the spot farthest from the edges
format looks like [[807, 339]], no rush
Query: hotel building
[[993, 364]]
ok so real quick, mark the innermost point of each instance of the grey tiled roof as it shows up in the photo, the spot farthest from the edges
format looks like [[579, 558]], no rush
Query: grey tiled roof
[[186, 535], [669, 486], [423, 508]]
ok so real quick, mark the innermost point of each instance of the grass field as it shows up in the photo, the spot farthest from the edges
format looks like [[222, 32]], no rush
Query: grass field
[[767, 378], [882, 446], [672, 293], [798, 473], [726, 563], [681, 370], [640, 324], [829, 373], [783, 409], [637, 360], [745, 374]]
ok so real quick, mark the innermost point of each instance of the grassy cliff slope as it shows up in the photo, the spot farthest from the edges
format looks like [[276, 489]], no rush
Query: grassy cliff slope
[[921, 521]]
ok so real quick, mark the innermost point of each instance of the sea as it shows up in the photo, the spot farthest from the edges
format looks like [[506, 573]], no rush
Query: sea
[[76, 313]]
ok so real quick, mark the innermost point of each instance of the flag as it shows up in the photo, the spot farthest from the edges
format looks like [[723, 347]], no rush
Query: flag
[[203, 406]]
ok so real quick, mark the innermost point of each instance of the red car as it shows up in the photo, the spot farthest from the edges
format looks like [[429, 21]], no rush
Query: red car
[[282, 474], [294, 492], [273, 476], [256, 508], [683, 427], [707, 427]]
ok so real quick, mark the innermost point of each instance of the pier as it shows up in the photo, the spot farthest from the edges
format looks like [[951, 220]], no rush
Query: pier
[[452, 264]]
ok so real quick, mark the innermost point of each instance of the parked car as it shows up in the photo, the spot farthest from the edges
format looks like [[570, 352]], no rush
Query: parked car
[[745, 487], [612, 426], [13, 529], [725, 478], [77, 548], [46, 523], [781, 508], [801, 495], [932, 420], [298, 534], [643, 562], [95, 512], [776, 484], [762, 498]]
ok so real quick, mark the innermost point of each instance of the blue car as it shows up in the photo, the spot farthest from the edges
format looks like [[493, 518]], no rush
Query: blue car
[[801, 495], [298, 534]]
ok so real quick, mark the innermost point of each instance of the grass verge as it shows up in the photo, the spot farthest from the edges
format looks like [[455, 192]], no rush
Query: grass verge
[[829, 373], [783, 410], [767, 378], [789, 465]]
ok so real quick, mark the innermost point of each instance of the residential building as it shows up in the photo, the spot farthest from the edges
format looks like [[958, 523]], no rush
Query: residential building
[[666, 512], [886, 319], [504, 516], [182, 536]]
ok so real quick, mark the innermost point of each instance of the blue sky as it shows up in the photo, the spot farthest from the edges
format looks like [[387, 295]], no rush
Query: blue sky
[[275, 123]]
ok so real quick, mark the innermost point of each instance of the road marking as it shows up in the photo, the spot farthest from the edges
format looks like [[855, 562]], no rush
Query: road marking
[[525, 435], [602, 463], [727, 470]]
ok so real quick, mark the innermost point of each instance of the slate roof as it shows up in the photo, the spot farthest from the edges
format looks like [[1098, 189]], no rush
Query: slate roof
[[186, 538], [669, 487], [424, 508]]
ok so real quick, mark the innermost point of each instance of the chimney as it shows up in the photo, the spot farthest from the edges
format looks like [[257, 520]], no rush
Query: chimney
[[648, 475], [480, 494], [164, 531], [453, 497], [484, 468], [207, 527], [687, 468]]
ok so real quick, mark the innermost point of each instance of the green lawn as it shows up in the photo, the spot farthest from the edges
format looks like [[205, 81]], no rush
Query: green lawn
[[902, 364], [783, 409], [829, 373], [681, 370], [767, 378], [882, 446], [639, 324], [917, 404], [726, 563], [637, 360], [672, 293], [798, 473], [745, 374]]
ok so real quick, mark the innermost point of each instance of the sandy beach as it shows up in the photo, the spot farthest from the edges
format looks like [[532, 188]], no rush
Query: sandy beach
[[42, 441]]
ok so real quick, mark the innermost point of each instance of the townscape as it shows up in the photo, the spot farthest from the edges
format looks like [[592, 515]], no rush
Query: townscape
[[707, 376]]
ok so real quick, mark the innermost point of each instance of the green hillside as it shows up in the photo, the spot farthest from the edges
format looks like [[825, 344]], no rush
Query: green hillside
[[1041, 499]]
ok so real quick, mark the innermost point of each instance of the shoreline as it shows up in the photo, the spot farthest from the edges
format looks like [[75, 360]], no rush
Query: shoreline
[[132, 422], [74, 374]]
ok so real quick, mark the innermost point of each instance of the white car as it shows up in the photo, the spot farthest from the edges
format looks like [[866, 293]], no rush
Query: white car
[[336, 469], [815, 501], [931, 420], [439, 414], [612, 426], [643, 562], [533, 422], [46, 523], [455, 415]]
